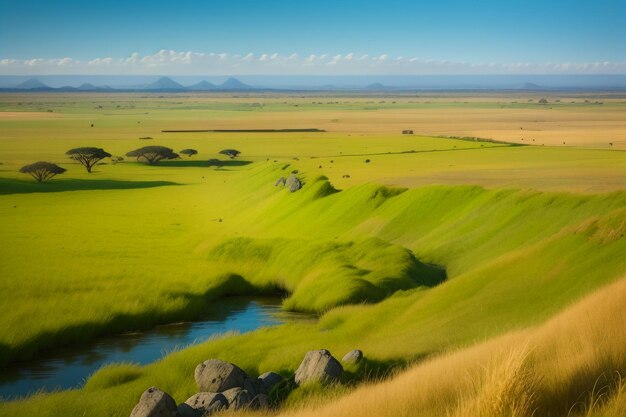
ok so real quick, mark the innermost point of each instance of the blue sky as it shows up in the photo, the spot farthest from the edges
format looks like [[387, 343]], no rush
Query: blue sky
[[505, 32]]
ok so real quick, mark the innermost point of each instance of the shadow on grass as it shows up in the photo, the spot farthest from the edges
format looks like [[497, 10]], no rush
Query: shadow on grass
[[17, 186], [212, 303], [366, 371], [202, 164]]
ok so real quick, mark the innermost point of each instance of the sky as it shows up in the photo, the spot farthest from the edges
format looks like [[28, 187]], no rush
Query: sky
[[313, 37]]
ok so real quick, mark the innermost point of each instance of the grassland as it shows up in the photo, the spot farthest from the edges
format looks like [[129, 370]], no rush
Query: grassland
[[522, 232]]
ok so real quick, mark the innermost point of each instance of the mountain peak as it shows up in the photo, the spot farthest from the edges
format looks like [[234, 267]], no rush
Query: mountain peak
[[87, 87], [31, 84], [164, 83], [531, 86], [376, 86], [202, 86], [234, 84]]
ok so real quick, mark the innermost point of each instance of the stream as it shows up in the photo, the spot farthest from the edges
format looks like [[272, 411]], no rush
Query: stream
[[69, 367]]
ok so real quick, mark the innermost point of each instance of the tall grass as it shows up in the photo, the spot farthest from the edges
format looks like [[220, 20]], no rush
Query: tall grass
[[536, 372]]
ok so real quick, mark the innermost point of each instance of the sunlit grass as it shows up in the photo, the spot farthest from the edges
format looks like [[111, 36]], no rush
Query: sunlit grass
[[131, 246]]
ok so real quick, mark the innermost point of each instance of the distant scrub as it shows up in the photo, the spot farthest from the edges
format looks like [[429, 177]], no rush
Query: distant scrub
[[188, 152]]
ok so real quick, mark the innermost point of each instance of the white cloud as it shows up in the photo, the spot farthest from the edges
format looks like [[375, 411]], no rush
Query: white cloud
[[173, 62]]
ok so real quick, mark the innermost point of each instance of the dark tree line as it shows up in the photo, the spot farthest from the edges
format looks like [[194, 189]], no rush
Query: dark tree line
[[90, 156]]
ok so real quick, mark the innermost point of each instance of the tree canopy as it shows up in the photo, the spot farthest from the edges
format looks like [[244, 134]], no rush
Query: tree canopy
[[153, 154], [42, 171], [88, 156], [189, 152], [232, 153]]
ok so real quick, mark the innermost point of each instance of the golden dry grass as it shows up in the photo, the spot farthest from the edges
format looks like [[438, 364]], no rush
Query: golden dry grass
[[570, 366]]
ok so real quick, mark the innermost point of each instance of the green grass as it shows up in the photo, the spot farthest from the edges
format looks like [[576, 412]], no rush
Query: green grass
[[517, 238]]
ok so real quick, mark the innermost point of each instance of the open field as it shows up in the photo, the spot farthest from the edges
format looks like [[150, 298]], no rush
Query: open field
[[408, 246], [578, 119]]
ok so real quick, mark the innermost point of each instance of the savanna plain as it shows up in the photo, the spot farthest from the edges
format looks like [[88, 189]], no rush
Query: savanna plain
[[479, 262]]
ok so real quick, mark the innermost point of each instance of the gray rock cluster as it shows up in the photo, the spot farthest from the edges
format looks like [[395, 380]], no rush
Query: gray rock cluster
[[292, 182], [224, 386]]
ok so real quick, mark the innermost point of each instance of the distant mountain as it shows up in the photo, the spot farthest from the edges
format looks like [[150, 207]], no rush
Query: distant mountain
[[376, 87], [531, 86], [31, 84], [234, 84], [202, 86], [164, 83], [88, 87], [85, 87]]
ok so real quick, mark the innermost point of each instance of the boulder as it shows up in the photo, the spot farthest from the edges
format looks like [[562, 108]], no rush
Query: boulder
[[293, 183], [260, 401], [202, 404], [318, 365], [238, 398], [354, 356], [154, 403], [215, 375], [269, 380]]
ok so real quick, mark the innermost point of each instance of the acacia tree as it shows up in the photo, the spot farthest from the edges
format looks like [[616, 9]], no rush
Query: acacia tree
[[189, 152], [42, 171], [232, 153], [153, 154], [88, 157]]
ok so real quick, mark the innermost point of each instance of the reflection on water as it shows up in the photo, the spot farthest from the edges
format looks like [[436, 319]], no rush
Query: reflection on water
[[69, 367]]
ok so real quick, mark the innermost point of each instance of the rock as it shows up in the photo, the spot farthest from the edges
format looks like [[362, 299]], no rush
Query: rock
[[269, 380], [354, 356], [215, 375], [293, 183], [318, 365], [202, 404], [260, 401], [238, 398], [154, 403]]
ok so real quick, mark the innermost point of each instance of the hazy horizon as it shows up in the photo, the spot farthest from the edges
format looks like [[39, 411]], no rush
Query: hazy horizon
[[431, 81]]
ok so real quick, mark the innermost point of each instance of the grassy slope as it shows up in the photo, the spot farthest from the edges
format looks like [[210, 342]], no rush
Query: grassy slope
[[514, 257], [569, 366], [496, 282]]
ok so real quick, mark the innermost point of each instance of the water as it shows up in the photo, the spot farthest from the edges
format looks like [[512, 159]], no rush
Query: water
[[70, 367]]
